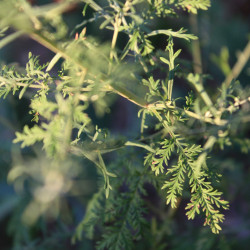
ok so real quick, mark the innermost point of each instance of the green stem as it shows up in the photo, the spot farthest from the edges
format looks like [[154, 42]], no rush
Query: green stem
[[140, 145], [171, 69], [118, 20], [208, 145], [196, 52], [217, 121], [5, 82], [239, 65], [115, 36], [197, 84], [164, 123], [8, 39], [144, 66], [55, 48], [114, 39]]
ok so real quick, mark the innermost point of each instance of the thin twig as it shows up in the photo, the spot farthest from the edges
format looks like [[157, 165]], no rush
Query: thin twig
[[239, 65], [196, 52]]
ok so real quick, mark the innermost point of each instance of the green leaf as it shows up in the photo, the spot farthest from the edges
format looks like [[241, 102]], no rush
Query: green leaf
[[105, 23], [179, 34], [54, 60], [23, 91], [165, 60]]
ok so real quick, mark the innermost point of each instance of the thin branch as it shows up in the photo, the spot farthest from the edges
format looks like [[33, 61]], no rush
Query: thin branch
[[215, 121], [140, 145], [239, 65], [56, 49], [196, 51]]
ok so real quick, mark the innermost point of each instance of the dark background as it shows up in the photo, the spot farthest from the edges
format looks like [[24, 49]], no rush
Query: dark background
[[225, 25]]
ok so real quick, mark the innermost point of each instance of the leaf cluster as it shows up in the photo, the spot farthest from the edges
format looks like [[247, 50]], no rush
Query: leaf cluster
[[177, 135]]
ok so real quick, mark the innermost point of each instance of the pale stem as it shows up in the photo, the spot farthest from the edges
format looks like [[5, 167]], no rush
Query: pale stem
[[197, 61], [114, 39], [140, 145], [208, 145], [239, 65], [117, 24]]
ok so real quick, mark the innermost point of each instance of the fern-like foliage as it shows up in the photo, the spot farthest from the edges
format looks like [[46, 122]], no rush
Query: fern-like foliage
[[203, 195], [127, 222], [194, 5], [94, 214], [206, 199], [160, 159], [178, 134], [164, 7], [122, 216], [14, 79]]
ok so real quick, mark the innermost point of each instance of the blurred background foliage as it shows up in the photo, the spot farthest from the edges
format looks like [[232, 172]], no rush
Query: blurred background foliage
[[224, 30]]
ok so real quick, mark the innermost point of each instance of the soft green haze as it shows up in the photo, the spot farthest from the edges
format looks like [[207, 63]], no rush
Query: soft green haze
[[172, 151]]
